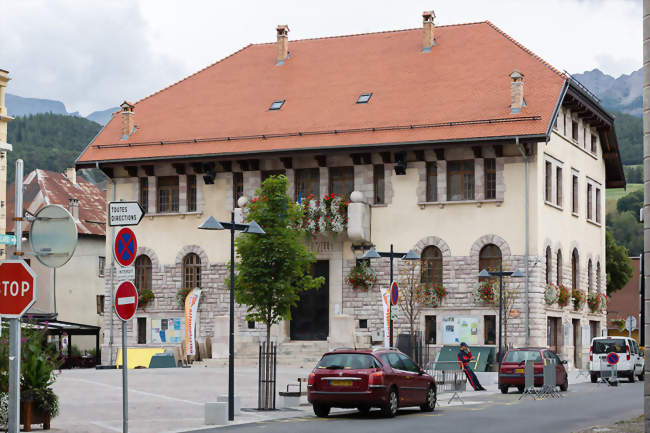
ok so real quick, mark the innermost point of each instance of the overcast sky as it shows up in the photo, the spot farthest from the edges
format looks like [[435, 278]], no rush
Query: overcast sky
[[92, 55]]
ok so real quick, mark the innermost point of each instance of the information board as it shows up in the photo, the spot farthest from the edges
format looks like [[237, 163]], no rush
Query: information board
[[456, 330], [169, 330]]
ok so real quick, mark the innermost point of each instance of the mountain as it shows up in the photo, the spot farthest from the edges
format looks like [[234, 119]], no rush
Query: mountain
[[102, 117], [19, 106], [622, 94]]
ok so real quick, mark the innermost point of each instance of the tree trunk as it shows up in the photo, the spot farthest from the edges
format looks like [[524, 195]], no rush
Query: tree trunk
[[267, 365]]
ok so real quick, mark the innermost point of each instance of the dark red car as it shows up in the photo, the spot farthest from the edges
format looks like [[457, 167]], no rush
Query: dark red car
[[383, 378], [511, 372]]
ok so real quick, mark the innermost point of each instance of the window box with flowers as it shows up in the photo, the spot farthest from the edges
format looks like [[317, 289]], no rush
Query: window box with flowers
[[604, 301], [564, 296], [551, 294], [579, 298], [145, 296], [361, 276], [594, 302], [485, 293], [327, 215], [430, 295]]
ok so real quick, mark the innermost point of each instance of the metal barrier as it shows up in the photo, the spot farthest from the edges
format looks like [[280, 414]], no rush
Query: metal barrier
[[549, 389], [529, 380], [608, 374], [449, 378]]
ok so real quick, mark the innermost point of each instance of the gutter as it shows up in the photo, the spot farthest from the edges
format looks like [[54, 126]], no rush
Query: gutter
[[527, 231]]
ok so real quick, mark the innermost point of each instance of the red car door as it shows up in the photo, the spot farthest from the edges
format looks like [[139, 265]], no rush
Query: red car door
[[417, 383], [399, 377]]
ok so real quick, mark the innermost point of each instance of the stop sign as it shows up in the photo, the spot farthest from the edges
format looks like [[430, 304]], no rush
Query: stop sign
[[126, 300], [17, 288]]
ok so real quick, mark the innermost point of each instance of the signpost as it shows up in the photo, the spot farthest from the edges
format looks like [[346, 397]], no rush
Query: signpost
[[124, 213], [630, 325]]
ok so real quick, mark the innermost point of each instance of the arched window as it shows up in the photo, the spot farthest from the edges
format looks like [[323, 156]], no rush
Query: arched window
[[191, 271], [431, 265], [549, 265], [143, 272], [598, 287], [574, 269], [559, 267], [590, 280], [490, 259]]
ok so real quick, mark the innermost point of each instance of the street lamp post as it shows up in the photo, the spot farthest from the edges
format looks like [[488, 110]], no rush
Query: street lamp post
[[373, 254], [501, 273], [252, 228]]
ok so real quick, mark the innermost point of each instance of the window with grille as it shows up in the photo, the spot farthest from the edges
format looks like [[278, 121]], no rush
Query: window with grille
[[431, 265], [548, 195], [460, 180], [101, 265], [589, 201], [191, 193], [237, 187], [342, 181], [598, 205], [575, 194], [191, 271], [559, 268], [378, 183], [489, 259], [490, 170], [558, 186], [307, 181], [432, 181], [143, 272], [144, 194], [168, 194]]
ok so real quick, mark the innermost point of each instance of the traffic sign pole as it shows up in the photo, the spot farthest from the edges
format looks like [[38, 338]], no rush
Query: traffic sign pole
[[125, 384]]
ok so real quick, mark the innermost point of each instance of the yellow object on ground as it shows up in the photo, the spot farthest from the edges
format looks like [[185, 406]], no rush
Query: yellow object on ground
[[137, 357]]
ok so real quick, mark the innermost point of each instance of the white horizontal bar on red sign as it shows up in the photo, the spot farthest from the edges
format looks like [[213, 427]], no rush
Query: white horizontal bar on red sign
[[126, 300]]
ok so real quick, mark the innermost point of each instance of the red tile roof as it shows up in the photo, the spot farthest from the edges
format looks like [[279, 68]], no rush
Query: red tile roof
[[44, 187], [223, 109]]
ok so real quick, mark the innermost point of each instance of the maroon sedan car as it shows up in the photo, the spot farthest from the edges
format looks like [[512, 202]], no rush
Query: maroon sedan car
[[511, 372], [383, 378]]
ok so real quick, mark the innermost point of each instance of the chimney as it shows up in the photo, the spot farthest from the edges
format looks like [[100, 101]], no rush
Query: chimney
[[428, 36], [128, 119], [283, 44], [74, 208], [71, 174], [516, 92]]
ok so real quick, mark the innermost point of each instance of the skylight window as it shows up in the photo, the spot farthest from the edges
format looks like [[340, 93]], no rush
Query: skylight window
[[364, 98], [276, 105]]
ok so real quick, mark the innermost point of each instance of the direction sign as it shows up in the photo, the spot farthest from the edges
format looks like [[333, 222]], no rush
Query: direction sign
[[124, 213], [17, 288], [126, 273], [125, 300], [394, 293], [8, 239], [630, 323], [125, 246], [612, 358]]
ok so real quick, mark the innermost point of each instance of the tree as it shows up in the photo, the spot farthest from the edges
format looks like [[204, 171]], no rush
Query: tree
[[510, 296], [409, 287], [631, 202], [618, 267], [626, 230]]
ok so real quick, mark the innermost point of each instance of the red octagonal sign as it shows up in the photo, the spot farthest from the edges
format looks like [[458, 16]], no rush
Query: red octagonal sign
[[126, 300], [17, 288]]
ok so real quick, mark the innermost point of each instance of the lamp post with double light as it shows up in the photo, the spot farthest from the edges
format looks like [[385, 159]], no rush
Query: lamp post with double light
[[251, 228], [501, 273], [373, 254]]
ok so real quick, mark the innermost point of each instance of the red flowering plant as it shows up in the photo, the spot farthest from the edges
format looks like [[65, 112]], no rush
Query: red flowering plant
[[329, 214], [593, 302], [144, 297], [430, 294], [485, 292], [579, 299], [563, 297], [361, 276]]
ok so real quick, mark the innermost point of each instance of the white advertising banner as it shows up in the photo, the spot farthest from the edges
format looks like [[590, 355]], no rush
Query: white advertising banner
[[385, 301], [191, 306]]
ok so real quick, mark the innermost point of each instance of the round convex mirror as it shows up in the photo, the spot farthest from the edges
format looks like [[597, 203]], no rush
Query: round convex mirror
[[53, 236]]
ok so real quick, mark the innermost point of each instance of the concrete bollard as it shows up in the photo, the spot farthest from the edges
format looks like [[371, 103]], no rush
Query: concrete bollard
[[216, 413], [224, 399], [288, 401]]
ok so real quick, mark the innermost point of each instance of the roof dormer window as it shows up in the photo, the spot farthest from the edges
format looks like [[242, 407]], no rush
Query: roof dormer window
[[276, 105], [364, 98]]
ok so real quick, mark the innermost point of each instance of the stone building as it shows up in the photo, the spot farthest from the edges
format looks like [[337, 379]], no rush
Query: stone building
[[465, 146]]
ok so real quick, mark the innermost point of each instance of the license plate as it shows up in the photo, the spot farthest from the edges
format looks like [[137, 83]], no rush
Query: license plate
[[340, 383], [519, 370]]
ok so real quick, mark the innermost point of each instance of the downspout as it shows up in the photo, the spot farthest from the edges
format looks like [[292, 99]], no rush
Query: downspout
[[110, 331], [523, 153]]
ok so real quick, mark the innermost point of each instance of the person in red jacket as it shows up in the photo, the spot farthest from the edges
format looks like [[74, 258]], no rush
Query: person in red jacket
[[464, 357]]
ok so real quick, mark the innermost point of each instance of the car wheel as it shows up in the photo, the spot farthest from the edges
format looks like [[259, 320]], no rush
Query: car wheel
[[594, 378], [640, 377], [504, 389], [564, 386], [430, 404], [520, 389], [389, 409], [632, 379], [364, 410], [321, 410]]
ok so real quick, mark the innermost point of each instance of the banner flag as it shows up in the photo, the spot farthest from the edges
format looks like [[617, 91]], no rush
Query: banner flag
[[191, 306], [385, 301]]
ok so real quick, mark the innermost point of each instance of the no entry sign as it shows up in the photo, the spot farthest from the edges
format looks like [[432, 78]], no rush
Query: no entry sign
[[17, 288], [125, 246], [394, 293], [126, 300]]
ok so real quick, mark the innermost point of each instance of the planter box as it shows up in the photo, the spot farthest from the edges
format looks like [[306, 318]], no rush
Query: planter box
[[31, 414]]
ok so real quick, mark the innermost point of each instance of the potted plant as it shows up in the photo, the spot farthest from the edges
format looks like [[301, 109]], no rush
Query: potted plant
[[563, 296], [485, 293], [579, 299], [593, 302], [361, 276], [145, 296], [431, 295], [551, 294], [329, 214]]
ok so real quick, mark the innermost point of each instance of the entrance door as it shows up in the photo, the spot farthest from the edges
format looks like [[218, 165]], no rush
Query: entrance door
[[577, 348], [310, 318], [552, 329]]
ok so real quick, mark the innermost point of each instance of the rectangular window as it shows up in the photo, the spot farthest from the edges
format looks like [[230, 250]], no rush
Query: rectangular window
[[144, 194], [430, 329], [379, 183], [363, 323], [237, 186], [168, 194], [589, 202], [574, 206], [101, 264], [251, 324], [460, 180], [594, 143], [307, 181], [100, 304], [548, 195], [191, 193], [490, 170], [142, 330], [490, 329], [597, 205], [432, 181], [268, 173], [574, 130], [558, 186], [584, 137], [566, 120], [341, 181]]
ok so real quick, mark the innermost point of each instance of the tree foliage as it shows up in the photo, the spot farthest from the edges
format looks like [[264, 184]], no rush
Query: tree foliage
[[629, 134], [408, 300], [273, 268], [633, 173], [631, 202], [626, 231], [619, 268]]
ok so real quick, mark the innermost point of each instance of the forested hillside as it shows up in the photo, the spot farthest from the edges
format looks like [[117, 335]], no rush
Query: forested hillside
[[48, 141], [629, 132]]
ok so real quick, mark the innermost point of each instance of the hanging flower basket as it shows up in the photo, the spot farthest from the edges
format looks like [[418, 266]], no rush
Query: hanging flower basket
[[327, 215], [604, 301], [551, 294], [579, 298], [361, 276], [564, 296], [430, 295], [485, 293], [593, 302]]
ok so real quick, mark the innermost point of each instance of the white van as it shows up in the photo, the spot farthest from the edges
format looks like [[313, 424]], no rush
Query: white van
[[630, 359]]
